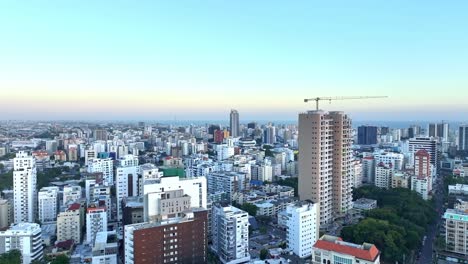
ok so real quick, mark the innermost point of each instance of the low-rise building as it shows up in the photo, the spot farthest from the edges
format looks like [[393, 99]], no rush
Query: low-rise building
[[365, 204], [331, 249], [105, 248], [456, 226], [25, 237]]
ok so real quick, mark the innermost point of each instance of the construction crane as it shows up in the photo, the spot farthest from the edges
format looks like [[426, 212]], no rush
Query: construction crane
[[317, 99]]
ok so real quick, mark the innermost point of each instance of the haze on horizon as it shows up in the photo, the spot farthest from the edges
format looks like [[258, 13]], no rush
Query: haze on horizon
[[192, 60]]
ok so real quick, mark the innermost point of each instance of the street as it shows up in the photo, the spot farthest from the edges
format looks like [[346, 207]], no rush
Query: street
[[427, 248]]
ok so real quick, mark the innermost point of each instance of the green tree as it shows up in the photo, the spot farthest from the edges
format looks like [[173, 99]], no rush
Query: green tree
[[263, 254], [11, 257], [61, 259], [251, 209]]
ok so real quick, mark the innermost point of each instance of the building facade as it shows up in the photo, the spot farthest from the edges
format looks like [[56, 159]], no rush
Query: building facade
[[177, 240], [330, 249], [325, 162], [24, 188], [230, 234], [47, 200], [234, 123], [302, 225], [70, 223], [25, 237]]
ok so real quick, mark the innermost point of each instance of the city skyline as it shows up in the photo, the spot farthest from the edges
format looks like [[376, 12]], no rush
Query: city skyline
[[154, 61]]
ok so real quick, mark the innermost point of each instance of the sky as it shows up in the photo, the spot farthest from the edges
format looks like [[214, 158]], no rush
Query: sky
[[196, 60]]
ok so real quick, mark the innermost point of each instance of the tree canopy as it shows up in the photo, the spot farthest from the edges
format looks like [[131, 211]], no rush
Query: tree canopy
[[397, 227], [11, 257]]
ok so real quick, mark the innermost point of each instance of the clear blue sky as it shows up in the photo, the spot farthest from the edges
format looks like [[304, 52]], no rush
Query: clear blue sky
[[198, 59]]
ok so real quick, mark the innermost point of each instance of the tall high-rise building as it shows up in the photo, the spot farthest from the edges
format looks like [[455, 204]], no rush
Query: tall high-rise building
[[100, 134], [438, 130], [426, 143], [25, 237], [367, 135], [463, 137], [51, 146], [234, 123], [24, 188], [421, 182], [126, 180], [47, 200], [230, 234], [325, 162]]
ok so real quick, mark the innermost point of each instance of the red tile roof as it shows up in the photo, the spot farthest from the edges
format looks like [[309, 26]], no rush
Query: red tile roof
[[369, 255], [74, 207]]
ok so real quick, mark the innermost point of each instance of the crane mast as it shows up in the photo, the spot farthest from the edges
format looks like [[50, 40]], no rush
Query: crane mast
[[318, 99]]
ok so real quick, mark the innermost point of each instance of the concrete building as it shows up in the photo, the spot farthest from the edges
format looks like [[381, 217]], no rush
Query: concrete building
[[154, 190], [421, 182], [396, 160], [456, 226], [356, 173], [439, 130], [426, 143], [105, 248], [51, 146], [383, 175], [458, 189], [71, 194], [368, 170], [126, 180], [24, 188], [25, 237], [324, 163], [47, 201], [234, 123], [226, 182], [180, 239], [400, 180], [230, 234], [330, 249], [70, 223], [367, 135], [463, 137], [96, 221], [302, 227], [365, 204], [6, 213], [104, 166], [100, 134], [132, 210]]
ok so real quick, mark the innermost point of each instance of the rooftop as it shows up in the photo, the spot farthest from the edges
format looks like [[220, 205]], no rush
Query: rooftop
[[336, 244]]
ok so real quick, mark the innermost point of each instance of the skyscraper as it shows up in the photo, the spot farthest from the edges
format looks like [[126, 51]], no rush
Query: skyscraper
[[439, 130], [325, 162], [234, 123], [367, 135], [463, 137], [24, 188]]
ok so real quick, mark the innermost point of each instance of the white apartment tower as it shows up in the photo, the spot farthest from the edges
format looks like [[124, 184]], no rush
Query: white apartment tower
[[24, 187], [230, 234], [96, 221], [25, 237], [105, 166], [47, 204], [126, 180], [325, 162], [302, 227]]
